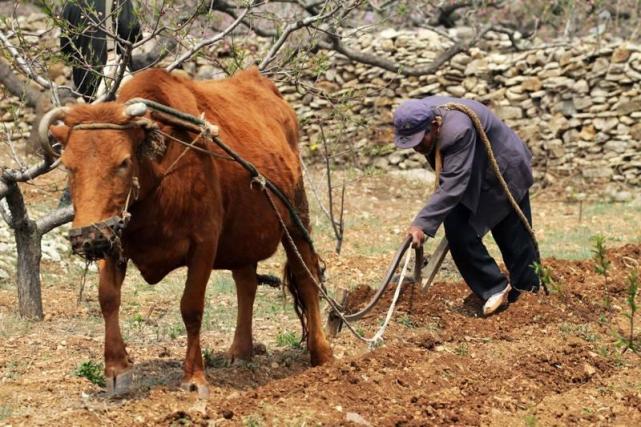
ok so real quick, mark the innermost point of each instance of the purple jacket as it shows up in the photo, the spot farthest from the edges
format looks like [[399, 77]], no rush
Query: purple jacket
[[467, 176]]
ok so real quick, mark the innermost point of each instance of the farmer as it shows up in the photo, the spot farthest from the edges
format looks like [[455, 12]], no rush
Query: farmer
[[468, 199], [85, 42]]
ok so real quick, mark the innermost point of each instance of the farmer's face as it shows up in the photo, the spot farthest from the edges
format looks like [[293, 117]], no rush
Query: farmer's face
[[429, 139]]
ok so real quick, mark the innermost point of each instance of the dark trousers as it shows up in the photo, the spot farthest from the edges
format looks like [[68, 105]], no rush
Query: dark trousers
[[478, 268]]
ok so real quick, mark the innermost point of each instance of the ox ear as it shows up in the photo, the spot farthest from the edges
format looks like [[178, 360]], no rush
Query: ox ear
[[153, 145]]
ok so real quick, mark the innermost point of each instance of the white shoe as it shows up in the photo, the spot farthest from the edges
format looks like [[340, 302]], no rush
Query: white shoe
[[496, 301]]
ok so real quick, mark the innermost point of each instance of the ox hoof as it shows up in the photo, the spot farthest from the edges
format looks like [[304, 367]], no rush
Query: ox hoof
[[120, 384], [321, 357], [235, 354], [202, 389]]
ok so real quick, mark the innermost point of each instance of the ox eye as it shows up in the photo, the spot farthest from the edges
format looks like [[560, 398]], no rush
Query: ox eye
[[124, 165]]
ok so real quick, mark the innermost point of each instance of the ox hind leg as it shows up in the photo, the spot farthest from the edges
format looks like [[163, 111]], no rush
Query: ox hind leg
[[306, 295], [246, 284], [192, 305], [118, 373]]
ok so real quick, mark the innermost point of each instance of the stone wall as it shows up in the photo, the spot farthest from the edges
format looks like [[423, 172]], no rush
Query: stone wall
[[577, 106]]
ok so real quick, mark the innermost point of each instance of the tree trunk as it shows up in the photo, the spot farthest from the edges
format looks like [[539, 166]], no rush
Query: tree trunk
[[28, 247], [29, 253]]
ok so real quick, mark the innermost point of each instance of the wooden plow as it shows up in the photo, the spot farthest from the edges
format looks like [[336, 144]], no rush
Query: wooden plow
[[425, 269]]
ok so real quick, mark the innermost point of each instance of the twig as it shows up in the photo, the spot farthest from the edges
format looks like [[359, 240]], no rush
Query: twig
[[23, 65], [210, 40], [365, 58], [120, 74], [54, 219], [4, 212], [10, 176], [290, 28], [336, 226]]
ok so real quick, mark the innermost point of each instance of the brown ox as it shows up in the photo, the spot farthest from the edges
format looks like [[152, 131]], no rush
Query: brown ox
[[191, 209]]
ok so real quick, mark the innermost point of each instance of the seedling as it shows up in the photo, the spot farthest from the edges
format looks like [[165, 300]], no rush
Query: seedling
[[92, 371], [628, 343], [602, 266], [545, 277], [287, 339]]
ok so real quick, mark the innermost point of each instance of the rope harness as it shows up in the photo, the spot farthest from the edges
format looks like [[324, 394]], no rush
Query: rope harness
[[206, 130], [497, 171]]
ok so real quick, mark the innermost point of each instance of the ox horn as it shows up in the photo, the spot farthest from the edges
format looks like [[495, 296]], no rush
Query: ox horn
[[43, 128], [136, 109]]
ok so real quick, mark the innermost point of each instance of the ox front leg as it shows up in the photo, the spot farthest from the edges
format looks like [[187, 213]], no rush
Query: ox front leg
[[306, 297], [246, 284], [191, 307], [118, 372]]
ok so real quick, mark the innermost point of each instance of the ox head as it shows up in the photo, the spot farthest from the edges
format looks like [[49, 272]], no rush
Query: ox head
[[102, 149]]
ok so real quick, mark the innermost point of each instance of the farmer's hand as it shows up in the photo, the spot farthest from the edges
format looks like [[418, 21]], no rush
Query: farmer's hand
[[418, 237]]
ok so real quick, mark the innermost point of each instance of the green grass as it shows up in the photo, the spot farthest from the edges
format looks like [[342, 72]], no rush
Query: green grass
[[92, 371], [5, 411], [462, 349], [530, 420], [582, 330], [253, 421], [565, 238], [406, 321], [11, 325], [288, 339]]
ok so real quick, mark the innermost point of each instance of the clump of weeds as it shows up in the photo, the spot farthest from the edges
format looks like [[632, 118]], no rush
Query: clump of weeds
[[92, 371], [288, 339]]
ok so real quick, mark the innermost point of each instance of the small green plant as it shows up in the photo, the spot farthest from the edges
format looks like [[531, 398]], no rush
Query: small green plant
[[252, 421], [628, 343], [580, 330], [462, 349], [530, 420], [175, 330], [287, 339], [138, 320], [602, 266], [544, 274], [92, 371], [406, 321], [5, 412]]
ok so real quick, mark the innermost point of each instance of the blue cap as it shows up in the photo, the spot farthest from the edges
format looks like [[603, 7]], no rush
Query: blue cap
[[411, 120]]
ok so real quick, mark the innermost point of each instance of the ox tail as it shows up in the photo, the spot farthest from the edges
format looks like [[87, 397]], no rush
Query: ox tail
[[289, 279], [268, 280]]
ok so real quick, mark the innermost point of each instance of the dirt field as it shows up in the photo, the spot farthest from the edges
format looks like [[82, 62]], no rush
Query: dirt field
[[544, 361]]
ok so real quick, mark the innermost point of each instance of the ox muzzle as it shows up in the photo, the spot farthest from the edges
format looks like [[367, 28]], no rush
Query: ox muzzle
[[100, 240]]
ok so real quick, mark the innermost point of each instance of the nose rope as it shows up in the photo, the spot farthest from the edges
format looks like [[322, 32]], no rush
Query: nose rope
[[135, 189]]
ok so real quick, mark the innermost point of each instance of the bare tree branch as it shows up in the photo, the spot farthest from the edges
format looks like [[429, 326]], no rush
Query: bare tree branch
[[4, 210], [54, 219], [23, 64], [290, 29], [336, 226], [120, 73], [18, 88], [365, 58], [210, 40], [10, 176]]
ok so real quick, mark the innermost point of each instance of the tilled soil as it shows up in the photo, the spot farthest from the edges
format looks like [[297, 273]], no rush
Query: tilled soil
[[546, 360]]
